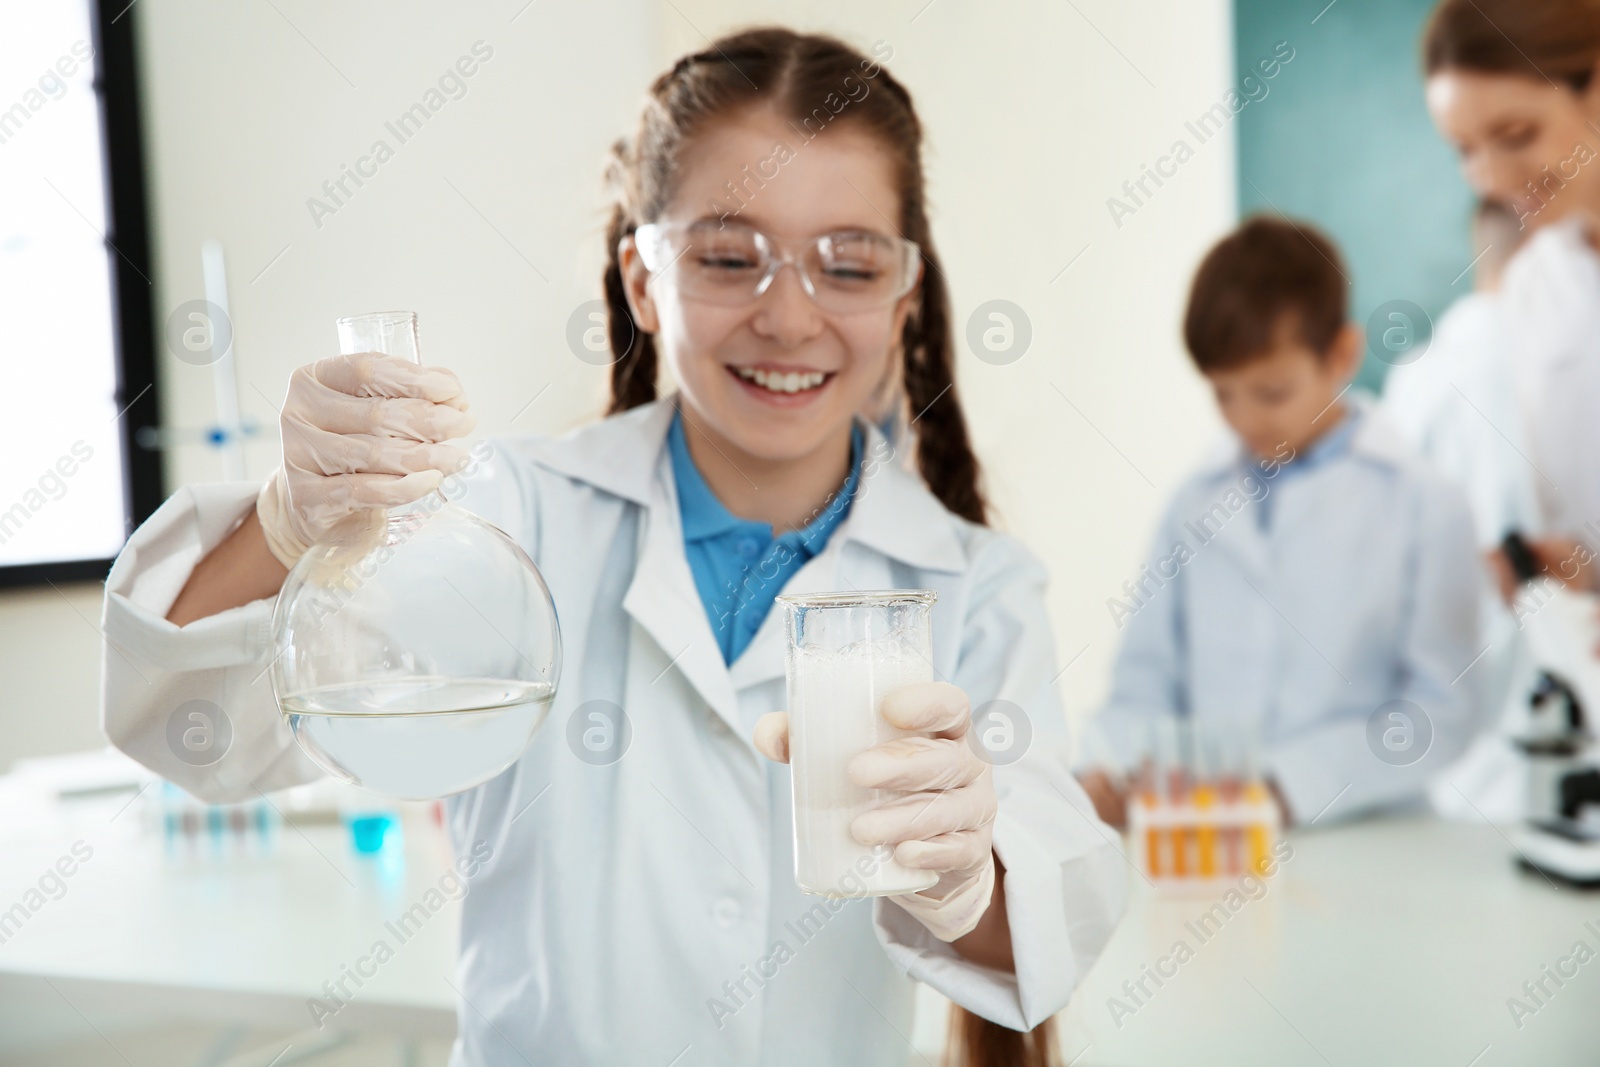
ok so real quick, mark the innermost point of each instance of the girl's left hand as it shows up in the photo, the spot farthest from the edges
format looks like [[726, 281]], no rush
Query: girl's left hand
[[945, 822]]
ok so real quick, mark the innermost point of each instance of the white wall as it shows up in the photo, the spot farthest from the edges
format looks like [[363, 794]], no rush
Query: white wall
[[1036, 114]]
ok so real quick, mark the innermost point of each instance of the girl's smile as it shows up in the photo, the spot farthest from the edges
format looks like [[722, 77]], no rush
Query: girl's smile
[[782, 385]]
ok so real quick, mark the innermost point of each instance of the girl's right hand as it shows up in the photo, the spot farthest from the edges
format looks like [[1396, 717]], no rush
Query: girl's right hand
[[360, 433]]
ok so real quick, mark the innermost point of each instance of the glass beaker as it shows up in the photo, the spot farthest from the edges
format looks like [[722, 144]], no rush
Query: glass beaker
[[846, 652], [418, 661]]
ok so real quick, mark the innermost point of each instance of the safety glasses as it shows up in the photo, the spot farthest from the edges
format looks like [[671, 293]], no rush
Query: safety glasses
[[731, 265]]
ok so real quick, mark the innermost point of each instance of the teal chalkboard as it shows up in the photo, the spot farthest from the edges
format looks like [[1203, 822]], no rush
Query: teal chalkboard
[[1343, 140]]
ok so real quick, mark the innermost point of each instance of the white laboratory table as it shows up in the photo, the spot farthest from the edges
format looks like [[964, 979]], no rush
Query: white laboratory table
[[1384, 942], [1387, 942], [242, 940]]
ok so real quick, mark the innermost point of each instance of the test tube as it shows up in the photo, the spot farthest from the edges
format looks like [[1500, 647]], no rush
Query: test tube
[[1146, 782], [1256, 797], [1205, 799], [1177, 796], [1230, 789]]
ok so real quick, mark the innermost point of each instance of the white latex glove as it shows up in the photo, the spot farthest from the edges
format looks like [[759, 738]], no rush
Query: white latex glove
[[945, 822], [359, 433]]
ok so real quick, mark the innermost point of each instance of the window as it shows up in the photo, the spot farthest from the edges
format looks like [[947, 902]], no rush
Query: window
[[76, 373]]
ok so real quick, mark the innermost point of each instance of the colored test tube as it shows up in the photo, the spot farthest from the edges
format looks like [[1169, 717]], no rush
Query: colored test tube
[[1255, 794], [1205, 831], [1152, 836], [1177, 797]]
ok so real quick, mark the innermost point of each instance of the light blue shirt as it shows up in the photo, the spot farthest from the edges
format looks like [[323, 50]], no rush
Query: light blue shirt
[[1359, 598], [738, 565], [1331, 445]]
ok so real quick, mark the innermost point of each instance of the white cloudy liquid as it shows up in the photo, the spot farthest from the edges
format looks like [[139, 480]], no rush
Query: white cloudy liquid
[[418, 738], [833, 715]]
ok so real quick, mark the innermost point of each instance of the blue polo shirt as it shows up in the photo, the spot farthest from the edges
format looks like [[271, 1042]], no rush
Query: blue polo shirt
[[738, 566]]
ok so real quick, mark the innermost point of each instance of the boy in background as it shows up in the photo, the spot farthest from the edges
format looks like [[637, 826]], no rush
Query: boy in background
[[1312, 585]]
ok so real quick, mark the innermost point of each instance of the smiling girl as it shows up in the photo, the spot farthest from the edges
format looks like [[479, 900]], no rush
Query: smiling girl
[[645, 911]]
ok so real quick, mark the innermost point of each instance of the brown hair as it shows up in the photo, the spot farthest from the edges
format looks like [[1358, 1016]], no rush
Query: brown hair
[[974, 1041], [1554, 40], [795, 73], [1265, 277]]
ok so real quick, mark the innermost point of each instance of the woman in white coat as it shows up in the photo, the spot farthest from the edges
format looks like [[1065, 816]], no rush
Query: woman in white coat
[[1512, 85], [640, 908], [1457, 408]]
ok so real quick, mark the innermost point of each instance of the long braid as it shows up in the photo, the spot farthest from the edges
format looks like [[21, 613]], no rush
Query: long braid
[[944, 450]]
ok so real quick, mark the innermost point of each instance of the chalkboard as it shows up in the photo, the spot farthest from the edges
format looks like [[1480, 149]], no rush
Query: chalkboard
[[1342, 139]]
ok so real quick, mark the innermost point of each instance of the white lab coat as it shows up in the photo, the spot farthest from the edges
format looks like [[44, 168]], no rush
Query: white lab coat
[[1362, 590], [619, 905], [1550, 302], [1457, 408], [1552, 298]]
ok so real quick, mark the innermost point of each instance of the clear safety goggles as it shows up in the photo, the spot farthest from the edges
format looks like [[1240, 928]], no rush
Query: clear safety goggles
[[844, 272]]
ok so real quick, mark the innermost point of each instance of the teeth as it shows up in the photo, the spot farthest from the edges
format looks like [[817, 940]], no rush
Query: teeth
[[792, 382]]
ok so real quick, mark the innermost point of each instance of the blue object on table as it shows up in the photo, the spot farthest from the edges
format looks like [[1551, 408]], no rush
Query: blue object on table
[[369, 831]]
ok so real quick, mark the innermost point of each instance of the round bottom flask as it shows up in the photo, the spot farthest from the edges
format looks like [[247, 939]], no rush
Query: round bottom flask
[[420, 661]]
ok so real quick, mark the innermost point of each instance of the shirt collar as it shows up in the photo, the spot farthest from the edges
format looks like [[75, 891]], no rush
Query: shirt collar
[[892, 513], [1332, 444], [1364, 433], [703, 514], [706, 516]]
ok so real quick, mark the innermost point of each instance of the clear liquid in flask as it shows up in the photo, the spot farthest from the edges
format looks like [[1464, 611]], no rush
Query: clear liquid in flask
[[418, 660], [420, 737]]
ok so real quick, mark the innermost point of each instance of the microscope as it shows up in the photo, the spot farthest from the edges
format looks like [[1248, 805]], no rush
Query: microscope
[[1561, 835]]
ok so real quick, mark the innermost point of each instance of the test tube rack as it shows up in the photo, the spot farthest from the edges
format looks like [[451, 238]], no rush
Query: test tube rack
[[1206, 836], [191, 828]]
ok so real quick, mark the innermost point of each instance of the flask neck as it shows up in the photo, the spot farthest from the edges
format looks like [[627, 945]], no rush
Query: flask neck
[[422, 507]]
